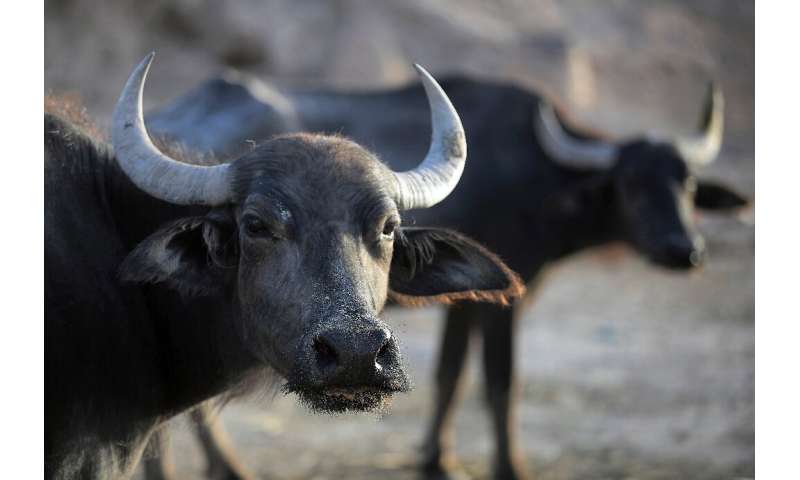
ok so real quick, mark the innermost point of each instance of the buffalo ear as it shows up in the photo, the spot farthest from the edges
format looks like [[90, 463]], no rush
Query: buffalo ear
[[438, 265], [192, 255], [714, 196]]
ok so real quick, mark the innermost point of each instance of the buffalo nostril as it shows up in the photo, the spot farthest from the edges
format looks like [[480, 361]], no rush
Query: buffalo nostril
[[344, 356], [326, 355], [383, 355]]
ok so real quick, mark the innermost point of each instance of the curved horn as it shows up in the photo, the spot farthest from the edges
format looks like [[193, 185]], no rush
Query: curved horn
[[566, 150], [703, 148], [151, 170], [439, 172]]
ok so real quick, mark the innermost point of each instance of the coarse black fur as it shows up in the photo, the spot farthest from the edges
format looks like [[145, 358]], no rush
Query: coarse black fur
[[152, 308]]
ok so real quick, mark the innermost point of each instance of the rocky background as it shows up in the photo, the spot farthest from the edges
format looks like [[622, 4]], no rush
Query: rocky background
[[626, 371]]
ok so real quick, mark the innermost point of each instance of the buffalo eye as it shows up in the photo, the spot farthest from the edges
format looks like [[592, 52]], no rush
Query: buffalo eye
[[255, 227], [389, 227]]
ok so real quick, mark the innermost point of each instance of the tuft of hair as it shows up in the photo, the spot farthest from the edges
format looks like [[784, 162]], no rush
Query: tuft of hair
[[183, 153], [69, 107], [326, 403], [504, 297]]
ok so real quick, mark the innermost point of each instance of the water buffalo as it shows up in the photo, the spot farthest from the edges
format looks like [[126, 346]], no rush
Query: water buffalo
[[538, 189], [168, 282]]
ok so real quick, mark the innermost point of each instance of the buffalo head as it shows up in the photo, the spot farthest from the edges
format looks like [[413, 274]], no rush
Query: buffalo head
[[303, 244], [655, 187]]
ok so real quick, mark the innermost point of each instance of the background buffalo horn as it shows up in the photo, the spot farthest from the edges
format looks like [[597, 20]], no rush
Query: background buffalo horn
[[566, 150], [702, 148], [151, 170], [439, 172]]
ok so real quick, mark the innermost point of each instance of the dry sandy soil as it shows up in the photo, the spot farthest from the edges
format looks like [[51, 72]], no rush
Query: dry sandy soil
[[626, 371]]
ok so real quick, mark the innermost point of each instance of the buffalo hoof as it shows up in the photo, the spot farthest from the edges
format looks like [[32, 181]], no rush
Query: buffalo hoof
[[509, 471], [444, 474], [228, 472], [442, 468]]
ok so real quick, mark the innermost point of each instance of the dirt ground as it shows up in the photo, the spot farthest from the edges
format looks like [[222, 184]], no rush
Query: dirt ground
[[625, 370]]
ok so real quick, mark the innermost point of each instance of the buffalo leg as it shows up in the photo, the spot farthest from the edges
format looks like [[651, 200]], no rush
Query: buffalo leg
[[452, 358], [220, 459], [498, 361], [158, 464]]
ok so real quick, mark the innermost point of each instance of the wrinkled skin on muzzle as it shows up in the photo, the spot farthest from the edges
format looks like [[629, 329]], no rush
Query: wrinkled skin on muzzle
[[313, 274], [320, 327]]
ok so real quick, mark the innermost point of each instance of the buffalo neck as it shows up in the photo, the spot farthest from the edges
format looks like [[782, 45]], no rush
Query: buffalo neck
[[200, 351], [197, 349], [580, 216], [576, 212], [120, 358]]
